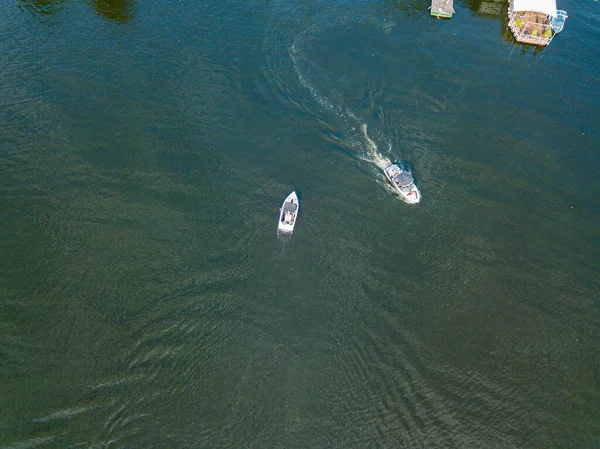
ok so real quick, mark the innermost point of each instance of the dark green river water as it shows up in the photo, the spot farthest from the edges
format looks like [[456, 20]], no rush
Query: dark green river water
[[146, 300]]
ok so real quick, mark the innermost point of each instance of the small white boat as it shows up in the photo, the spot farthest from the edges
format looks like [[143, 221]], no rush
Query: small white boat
[[289, 214], [403, 183]]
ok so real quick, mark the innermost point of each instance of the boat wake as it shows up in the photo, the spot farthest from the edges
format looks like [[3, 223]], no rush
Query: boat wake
[[324, 102], [355, 128], [373, 154]]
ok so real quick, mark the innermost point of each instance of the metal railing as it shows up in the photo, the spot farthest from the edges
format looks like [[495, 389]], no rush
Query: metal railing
[[530, 32]]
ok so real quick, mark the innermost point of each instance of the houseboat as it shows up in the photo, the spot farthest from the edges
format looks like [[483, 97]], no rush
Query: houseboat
[[535, 22]]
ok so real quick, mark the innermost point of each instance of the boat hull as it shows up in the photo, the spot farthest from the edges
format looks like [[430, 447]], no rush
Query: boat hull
[[288, 214], [411, 196]]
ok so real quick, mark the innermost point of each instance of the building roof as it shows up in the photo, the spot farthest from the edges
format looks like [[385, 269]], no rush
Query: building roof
[[542, 6]]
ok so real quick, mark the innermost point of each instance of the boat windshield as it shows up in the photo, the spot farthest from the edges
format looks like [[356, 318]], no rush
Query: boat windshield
[[403, 179], [291, 207]]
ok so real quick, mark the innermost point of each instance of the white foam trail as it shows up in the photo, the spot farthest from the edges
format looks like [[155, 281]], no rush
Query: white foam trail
[[351, 120], [373, 155], [320, 99], [376, 157]]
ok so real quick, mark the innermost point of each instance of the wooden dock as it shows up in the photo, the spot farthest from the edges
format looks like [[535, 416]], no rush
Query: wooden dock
[[442, 8]]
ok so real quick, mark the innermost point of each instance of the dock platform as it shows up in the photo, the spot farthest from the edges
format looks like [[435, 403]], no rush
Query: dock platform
[[442, 8]]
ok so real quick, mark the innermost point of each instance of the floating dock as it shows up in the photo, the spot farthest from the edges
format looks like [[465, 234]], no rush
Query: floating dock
[[442, 8]]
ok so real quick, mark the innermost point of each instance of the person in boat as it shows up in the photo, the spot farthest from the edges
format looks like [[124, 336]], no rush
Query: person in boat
[[288, 217]]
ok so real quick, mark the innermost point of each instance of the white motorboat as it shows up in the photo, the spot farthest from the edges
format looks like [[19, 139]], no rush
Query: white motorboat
[[403, 183], [289, 214]]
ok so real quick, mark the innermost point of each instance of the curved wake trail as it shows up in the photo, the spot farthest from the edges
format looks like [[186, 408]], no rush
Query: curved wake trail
[[376, 157], [315, 94], [372, 155]]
